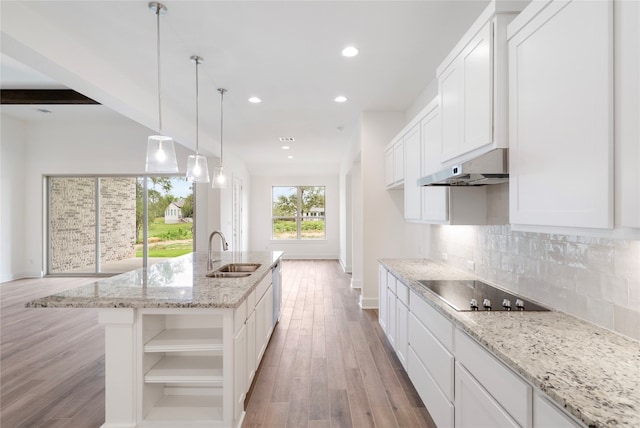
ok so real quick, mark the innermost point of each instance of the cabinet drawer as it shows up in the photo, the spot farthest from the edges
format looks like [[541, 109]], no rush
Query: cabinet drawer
[[440, 409], [513, 394], [434, 356], [475, 407], [402, 291], [391, 282], [437, 324]]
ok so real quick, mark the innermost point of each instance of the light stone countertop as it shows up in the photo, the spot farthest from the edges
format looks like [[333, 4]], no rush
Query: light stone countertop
[[590, 371], [175, 283]]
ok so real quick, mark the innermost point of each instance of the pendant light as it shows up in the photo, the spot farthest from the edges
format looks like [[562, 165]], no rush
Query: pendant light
[[161, 153], [219, 178], [197, 167]]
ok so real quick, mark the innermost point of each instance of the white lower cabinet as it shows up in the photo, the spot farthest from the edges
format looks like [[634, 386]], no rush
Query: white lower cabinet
[[460, 382], [195, 366], [402, 322], [511, 391], [239, 371], [548, 415], [382, 297], [439, 407], [475, 407]]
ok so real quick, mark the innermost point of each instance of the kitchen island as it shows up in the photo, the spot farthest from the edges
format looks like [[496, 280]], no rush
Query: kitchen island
[[181, 348], [535, 368]]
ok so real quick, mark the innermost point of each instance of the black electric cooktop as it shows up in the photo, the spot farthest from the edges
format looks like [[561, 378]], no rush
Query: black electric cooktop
[[472, 295]]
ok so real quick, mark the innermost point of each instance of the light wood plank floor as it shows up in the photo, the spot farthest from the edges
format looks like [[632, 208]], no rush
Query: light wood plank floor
[[328, 363]]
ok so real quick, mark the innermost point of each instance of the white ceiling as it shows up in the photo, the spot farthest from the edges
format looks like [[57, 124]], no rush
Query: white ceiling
[[286, 53]]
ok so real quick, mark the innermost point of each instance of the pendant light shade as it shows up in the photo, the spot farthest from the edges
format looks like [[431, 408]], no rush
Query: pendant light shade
[[219, 177], [197, 166], [161, 152]]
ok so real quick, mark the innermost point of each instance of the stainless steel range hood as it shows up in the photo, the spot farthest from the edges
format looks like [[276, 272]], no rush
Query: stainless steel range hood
[[489, 168]]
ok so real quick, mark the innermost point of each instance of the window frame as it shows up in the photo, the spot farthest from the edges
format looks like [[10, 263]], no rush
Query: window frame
[[299, 217]]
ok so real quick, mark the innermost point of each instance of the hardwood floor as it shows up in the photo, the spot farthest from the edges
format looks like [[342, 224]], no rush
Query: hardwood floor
[[328, 363]]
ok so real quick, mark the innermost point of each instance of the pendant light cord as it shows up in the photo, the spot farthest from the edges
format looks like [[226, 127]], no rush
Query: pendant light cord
[[197, 61], [158, 9], [222, 91]]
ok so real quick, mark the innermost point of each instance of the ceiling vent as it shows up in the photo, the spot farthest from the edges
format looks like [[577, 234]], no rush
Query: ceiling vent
[[287, 139]]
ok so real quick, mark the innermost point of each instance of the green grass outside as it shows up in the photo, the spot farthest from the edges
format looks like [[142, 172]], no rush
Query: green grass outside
[[168, 240]]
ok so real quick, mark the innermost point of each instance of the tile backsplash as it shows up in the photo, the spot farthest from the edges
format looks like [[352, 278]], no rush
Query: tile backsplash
[[596, 279]]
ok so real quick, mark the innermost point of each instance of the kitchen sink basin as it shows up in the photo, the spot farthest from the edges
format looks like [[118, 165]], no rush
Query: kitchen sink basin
[[239, 267], [234, 270]]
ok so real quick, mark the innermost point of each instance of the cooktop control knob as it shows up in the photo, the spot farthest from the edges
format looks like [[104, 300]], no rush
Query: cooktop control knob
[[520, 305], [486, 303], [473, 304], [506, 304]]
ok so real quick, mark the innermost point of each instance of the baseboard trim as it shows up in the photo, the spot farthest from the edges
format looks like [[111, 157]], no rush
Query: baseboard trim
[[19, 275], [345, 268], [356, 283], [370, 303]]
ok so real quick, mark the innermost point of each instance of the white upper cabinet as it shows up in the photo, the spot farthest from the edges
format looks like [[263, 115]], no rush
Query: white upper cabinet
[[561, 114], [394, 164], [627, 111], [472, 85], [412, 172]]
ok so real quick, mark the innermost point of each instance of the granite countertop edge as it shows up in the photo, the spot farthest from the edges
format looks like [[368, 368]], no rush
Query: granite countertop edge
[[197, 262], [472, 324]]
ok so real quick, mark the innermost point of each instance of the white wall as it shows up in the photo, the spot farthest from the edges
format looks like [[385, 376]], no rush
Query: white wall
[[12, 199], [260, 217], [113, 145], [384, 232]]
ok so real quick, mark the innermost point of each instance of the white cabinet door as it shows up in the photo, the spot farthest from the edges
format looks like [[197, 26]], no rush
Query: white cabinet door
[[431, 138], [251, 349], [466, 97], [398, 162], [239, 371], [402, 329], [450, 92], [547, 415], [412, 172], [391, 313], [627, 112], [477, 87], [382, 297], [474, 407], [261, 332], [388, 167], [560, 122], [435, 204]]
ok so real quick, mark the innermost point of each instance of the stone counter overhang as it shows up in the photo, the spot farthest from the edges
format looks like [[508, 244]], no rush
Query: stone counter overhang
[[590, 371], [179, 282]]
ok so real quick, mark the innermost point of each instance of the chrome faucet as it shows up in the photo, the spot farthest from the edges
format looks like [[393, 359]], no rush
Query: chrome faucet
[[225, 247]]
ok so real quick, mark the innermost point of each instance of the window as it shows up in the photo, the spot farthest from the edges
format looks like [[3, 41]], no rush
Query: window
[[95, 224], [297, 212]]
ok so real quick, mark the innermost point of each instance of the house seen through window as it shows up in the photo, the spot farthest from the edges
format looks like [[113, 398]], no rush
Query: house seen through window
[[298, 212]]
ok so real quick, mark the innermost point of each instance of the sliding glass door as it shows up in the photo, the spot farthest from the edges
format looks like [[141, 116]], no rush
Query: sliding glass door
[[96, 224]]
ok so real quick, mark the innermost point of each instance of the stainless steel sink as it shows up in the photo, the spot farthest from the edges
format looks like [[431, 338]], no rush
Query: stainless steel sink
[[239, 267], [234, 270]]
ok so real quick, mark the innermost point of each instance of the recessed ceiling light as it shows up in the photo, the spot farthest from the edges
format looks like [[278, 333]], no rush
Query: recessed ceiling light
[[290, 157], [340, 99], [350, 51], [285, 147], [255, 100], [287, 139]]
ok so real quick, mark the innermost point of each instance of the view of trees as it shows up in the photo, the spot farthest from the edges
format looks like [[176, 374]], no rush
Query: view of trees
[[298, 212]]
